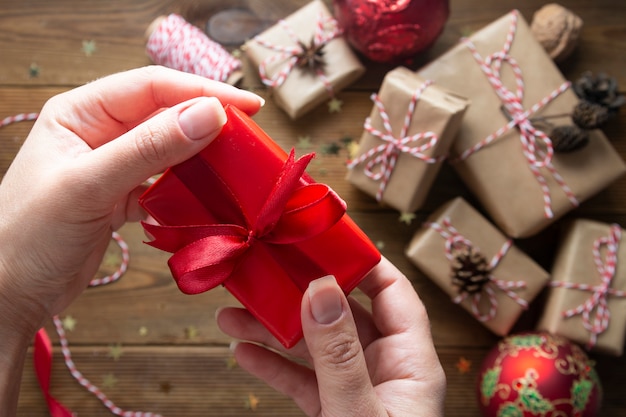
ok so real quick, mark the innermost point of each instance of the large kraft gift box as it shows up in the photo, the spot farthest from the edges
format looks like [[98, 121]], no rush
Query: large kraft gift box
[[511, 281], [297, 88], [505, 166], [245, 215], [406, 138], [587, 298]]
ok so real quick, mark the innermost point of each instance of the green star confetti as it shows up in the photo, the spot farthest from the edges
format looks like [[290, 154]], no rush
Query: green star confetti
[[69, 323], [109, 381], [407, 218], [304, 142], [34, 70], [89, 47], [334, 105], [380, 245], [332, 148], [231, 362], [143, 331], [115, 351]]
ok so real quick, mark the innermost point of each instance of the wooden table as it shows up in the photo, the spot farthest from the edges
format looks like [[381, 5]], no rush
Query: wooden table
[[174, 360]]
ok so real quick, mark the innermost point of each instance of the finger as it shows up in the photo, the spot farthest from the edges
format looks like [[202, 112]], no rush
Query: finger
[[128, 97], [238, 323], [285, 376], [167, 139], [364, 323], [344, 385]]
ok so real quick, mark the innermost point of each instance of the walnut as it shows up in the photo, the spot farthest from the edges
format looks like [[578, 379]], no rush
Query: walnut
[[557, 29]]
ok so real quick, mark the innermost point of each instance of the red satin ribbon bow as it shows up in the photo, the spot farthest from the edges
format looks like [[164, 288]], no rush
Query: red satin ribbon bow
[[205, 256], [43, 367]]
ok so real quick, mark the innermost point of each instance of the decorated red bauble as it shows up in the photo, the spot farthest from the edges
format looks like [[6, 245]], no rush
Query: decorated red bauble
[[538, 374], [391, 30]]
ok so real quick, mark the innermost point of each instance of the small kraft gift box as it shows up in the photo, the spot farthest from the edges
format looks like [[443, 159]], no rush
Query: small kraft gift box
[[406, 138], [304, 59], [244, 214], [476, 265], [501, 152], [587, 299]]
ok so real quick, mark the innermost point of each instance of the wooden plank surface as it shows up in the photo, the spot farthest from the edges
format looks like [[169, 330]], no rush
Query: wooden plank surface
[[163, 369]]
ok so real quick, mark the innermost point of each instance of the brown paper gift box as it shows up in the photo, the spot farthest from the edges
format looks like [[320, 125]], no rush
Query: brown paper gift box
[[302, 89], [499, 174], [436, 111], [427, 250], [575, 264]]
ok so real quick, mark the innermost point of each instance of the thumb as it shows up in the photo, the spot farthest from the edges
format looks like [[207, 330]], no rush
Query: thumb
[[345, 388], [166, 139]]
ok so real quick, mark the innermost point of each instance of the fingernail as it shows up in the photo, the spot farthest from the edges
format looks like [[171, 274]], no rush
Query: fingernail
[[202, 119], [233, 345], [325, 298]]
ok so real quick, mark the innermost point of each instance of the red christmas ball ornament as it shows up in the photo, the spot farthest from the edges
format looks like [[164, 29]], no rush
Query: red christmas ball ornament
[[538, 374], [391, 30]]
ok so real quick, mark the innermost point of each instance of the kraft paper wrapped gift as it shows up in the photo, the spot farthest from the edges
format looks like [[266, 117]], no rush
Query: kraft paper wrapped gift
[[243, 214], [512, 281], [505, 159], [296, 87], [406, 138], [587, 298]]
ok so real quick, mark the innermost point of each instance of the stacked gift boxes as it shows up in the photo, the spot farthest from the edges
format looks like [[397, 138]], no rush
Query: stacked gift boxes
[[484, 119]]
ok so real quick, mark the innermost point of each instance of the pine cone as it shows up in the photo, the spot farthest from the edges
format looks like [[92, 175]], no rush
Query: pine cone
[[600, 89], [568, 138], [589, 115], [470, 270]]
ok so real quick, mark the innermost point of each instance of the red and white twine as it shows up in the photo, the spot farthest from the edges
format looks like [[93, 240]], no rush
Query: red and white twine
[[536, 145], [453, 241], [326, 29], [384, 157], [176, 43], [598, 301], [121, 269]]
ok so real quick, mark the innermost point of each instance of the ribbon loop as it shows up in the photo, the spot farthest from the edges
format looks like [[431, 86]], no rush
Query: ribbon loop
[[536, 145], [205, 256], [455, 240], [594, 311], [380, 161]]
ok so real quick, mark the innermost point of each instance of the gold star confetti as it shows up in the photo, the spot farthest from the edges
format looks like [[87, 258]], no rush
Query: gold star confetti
[[304, 142], [231, 362], [353, 149], [463, 365], [236, 53], [407, 218], [109, 381], [334, 105], [111, 259], [69, 323], [143, 331], [89, 47], [33, 70], [115, 351], [252, 402], [380, 245], [191, 332]]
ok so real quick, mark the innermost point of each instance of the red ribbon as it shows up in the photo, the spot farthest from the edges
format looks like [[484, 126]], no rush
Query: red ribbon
[[205, 256], [42, 354]]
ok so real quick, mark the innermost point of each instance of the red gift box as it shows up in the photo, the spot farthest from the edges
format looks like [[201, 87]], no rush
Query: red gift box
[[244, 214]]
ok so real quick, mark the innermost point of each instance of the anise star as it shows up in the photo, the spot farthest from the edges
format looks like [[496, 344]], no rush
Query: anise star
[[312, 56]]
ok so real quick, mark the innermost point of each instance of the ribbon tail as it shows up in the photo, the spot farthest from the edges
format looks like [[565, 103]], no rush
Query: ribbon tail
[[42, 358]]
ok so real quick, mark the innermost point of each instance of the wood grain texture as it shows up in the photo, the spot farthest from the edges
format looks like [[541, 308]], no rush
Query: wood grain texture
[[166, 371]]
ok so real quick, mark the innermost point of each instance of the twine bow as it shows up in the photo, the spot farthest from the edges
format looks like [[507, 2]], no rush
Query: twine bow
[[205, 256], [597, 303], [326, 29], [453, 241], [536, 145], [383, 158]]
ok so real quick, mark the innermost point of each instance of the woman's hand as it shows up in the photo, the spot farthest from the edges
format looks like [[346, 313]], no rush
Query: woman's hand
[[80, 171], [360, 364]]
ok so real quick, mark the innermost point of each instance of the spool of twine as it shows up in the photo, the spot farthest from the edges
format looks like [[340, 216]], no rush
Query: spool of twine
[[175, 43]]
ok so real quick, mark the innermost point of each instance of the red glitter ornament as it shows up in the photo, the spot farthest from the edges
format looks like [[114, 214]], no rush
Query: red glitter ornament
[[538, 374], [391, 30]]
